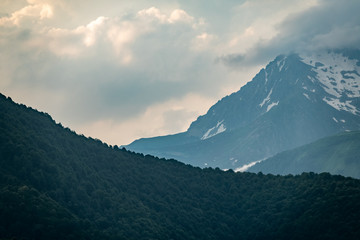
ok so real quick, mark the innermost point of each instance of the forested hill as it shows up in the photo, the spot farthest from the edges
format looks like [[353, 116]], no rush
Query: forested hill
[[55, 184]]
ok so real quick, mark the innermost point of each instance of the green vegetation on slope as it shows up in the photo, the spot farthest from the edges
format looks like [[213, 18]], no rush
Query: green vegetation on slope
[[55, 184], [339, 154]]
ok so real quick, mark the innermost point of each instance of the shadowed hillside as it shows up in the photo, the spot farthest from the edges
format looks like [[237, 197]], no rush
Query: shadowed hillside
[[338, 154]]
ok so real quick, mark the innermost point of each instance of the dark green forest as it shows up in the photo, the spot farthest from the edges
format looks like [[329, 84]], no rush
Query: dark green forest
[[55, 184]]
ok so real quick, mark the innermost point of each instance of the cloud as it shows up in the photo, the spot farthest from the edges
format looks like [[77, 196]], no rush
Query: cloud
[[168, 117], [326, 24], [179, 15], [120, 36], [144, 68], [204, 41], [110, 67], [320, 26], [26, 14]]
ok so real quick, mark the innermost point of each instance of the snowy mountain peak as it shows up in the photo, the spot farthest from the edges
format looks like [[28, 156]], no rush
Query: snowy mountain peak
[[339, 76], [329, 77], [294, 100]]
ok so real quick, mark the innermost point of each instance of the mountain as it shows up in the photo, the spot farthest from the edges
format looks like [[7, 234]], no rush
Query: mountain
[[339, 154], [55, 184], [295, 100]]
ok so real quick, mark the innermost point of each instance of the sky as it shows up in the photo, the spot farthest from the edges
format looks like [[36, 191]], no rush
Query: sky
[[121, 70]]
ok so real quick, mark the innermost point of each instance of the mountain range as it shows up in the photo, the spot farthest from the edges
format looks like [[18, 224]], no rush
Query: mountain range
[[56, 184], [296, 99]]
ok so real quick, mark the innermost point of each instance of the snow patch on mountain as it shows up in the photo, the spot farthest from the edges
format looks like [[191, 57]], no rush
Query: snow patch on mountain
[[219, 128], [312, 90], [267, 99], [338, 75], [281, 64], [341, 106], [247, 166], [233, 161], [266, 76], [271, 105], [307, 96]]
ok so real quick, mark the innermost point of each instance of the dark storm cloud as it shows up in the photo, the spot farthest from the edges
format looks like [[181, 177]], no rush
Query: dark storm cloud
[[330, 24]]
